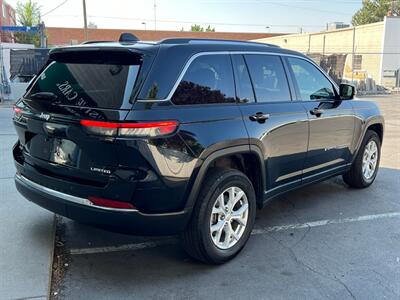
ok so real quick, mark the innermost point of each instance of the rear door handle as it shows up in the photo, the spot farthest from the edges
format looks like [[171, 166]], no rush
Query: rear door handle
[[259, 117], [317, 111]]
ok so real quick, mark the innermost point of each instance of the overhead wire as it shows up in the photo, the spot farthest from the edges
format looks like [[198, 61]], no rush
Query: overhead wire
[[53, 9]]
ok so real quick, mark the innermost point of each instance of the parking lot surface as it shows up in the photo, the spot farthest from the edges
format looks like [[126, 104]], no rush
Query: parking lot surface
[[26, 230], [325, 241]]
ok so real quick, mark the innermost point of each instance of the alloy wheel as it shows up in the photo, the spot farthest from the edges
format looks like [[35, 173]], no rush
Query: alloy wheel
[[370, 160], [229, 217]]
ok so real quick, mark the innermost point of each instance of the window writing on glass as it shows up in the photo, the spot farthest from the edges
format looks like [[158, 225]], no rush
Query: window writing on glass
[[209, 79], [312, 84]]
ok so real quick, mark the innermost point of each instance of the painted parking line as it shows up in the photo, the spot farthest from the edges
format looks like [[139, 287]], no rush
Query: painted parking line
[[256, 231], [325, 222]]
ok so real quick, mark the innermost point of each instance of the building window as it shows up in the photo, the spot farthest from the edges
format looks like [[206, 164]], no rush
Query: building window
[[357, 62], [3, 8]]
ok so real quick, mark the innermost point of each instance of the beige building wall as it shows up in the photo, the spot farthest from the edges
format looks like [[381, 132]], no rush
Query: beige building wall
[[368, 42]]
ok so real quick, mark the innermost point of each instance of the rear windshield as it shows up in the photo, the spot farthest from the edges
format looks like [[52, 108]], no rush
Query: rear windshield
[[100, 85]]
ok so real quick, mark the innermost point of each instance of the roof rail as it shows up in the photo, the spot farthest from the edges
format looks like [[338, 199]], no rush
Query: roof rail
[[95, 42], [196, 40]]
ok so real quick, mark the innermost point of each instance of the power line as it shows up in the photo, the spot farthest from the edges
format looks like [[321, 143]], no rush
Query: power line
[[308, 8], [279, 1], [201, 22], [53, 9]]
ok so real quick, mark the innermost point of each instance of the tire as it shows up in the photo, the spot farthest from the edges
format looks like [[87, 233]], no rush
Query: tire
[[355, 176], [199, 240]]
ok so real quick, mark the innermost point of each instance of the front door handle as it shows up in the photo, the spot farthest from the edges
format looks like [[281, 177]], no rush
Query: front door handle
[[317, 111], [259, 117]]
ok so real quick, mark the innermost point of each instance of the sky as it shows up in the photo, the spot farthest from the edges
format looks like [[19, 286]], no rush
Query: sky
[[224, 15]]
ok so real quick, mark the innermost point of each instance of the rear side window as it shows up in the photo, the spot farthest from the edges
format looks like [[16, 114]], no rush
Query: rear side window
[[209, 79], [244, 89], [312, 84], [269, 78], [95, 85]]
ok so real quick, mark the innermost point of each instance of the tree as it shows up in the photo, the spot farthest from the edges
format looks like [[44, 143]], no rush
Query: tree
[[198, 28], [28, 15], [374, 11], [209, 29]]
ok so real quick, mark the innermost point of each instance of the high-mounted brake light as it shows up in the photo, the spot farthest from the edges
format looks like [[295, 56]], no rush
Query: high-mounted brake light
[[145, 129], [110, 203]]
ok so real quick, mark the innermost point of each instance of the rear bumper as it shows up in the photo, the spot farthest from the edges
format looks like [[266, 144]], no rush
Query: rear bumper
[[82, 210]]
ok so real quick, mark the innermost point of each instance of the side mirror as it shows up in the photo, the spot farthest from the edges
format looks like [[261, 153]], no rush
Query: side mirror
[[346, 91]]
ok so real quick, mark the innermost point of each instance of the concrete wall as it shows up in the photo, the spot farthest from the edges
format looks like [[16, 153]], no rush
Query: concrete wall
[[368, 38], [377, 43], [390, 63]]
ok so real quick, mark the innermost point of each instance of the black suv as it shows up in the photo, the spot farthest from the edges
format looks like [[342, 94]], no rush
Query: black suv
[[186, 136]]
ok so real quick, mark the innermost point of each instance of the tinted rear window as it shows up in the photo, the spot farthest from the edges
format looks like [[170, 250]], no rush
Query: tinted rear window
[[209, 79], [100, 85], [269, 78]]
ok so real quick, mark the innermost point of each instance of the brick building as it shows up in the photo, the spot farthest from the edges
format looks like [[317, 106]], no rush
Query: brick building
[[58, 36], [7, 18]]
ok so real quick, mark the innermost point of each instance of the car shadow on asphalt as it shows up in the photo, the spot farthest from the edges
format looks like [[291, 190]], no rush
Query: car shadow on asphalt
[[326, 200], [145, 271]]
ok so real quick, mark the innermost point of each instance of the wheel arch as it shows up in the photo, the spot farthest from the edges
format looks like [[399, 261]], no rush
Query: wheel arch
[[375, 123], [240, 156]]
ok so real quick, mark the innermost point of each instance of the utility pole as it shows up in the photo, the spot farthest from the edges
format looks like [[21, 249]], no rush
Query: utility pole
[[85, 21], [353, 53], [155, 16], [42, 35], [395, 9]]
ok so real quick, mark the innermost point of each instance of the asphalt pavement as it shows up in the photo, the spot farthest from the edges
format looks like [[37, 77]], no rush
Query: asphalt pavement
[[325, 241], [26, 231]]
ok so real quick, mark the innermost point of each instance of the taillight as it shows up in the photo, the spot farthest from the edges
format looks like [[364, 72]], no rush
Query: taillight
[[110, 203], [17, 110], [145, 129]]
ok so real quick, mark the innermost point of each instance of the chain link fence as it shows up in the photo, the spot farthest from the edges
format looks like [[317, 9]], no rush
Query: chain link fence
[[367, 56], [363, 70]]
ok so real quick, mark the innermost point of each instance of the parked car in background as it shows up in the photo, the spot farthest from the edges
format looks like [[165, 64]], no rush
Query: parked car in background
[[186, 136]]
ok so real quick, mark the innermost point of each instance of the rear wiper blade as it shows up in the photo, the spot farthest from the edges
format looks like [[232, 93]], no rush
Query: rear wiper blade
[[43, 96]]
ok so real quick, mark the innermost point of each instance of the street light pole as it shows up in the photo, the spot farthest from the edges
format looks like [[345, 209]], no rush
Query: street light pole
[[85, 21], [155, 16]]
